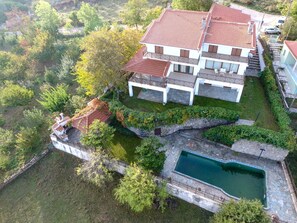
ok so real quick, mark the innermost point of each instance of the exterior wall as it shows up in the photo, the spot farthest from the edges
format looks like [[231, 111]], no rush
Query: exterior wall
[[222, 49], [173, 51], [196, 68], [290, 64]]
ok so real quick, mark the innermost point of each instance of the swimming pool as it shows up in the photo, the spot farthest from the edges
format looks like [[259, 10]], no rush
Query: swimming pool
[[235, 179]]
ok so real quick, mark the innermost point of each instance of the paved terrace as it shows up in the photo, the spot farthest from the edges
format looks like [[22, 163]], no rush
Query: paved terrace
[[279, 199]]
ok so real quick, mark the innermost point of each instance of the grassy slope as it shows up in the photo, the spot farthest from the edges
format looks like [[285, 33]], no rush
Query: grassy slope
[[51, 192], [253, 102]]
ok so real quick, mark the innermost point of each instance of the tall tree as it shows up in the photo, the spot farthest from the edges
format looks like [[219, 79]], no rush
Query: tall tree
[[97, 169], [47, 18], [148, 154], [152, 14], [195, 5], [89, 17], [99, 135], [134, 11], [243, 211], [137, 189], [55, 99], [105, 53]]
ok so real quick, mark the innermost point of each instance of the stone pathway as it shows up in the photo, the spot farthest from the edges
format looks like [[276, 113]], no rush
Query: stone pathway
[[278, 195], [244, 122]]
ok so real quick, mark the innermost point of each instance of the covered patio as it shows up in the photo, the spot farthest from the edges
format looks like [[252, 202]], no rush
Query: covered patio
[[177, 96]]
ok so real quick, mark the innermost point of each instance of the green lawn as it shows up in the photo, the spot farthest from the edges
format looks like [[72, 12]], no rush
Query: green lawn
[[51, 192], [253, 104], [123, 146]]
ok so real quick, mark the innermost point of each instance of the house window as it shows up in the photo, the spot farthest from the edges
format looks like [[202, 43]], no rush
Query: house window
[[212, 49], [183, 69], [236, 52], [159, 49], [185, 53], [212, 65]]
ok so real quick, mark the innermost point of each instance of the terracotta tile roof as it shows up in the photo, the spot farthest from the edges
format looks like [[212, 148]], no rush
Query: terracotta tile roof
[[177, 28], [230, 34], [96, 109], [147, 66], [223, 13], [292, 45]]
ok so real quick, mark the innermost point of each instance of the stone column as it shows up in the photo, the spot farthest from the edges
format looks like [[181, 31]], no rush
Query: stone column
[[191, 97], [164, 96], [130, 86], [239, 90]]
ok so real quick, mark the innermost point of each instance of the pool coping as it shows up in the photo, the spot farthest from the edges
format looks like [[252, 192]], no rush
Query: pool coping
[[225, 162]]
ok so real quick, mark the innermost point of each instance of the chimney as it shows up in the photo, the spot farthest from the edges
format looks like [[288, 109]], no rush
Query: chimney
[[250, 28], [61, 116], [169, 5], [203, 23]]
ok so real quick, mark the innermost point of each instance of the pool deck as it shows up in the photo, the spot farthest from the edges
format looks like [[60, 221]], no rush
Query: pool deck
[[279, 199]]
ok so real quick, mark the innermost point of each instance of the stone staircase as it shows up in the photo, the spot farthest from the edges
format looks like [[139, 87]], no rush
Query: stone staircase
[[254, 63]]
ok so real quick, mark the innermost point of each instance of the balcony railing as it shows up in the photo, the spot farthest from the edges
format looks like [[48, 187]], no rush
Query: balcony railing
[[185, 80], [149, 80], [224, 77], [171, 58], [225, 57]]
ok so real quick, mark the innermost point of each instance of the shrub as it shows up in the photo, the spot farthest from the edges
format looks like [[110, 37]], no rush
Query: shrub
[[137, 189], [28, 141], [50, 77], [229, 134], [275, 100], [148, 155], [2, 120], [54, 99], [96, 170], [99, 135], [14, 95], [34, 118], [7, 140], [149, 120], [75, 104], [243, 211]]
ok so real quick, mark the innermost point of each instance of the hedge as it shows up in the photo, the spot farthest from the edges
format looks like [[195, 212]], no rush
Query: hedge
[[227, 135], [149, 120]]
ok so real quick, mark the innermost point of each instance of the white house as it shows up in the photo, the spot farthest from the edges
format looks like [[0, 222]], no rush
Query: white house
[[289, 63], [202, 53]]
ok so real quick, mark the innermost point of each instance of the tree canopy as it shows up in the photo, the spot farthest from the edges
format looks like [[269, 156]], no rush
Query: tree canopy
[[105, 53], [89, 17], [243, 211], [195, 5], [137, 189], [134, 11], [55, 99], [97, 169], [148, 155], [99, 135], [47, 17]]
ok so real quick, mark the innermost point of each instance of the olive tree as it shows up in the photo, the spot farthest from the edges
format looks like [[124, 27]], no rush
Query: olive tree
[[243, 211], [137, 189]]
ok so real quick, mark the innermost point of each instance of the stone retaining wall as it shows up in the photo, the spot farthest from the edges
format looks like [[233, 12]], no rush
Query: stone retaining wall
[[254, 148], [190, 124], [26, 167]]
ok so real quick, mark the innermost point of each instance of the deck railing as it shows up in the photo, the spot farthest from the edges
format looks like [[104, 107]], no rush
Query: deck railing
[[171, 58], [149, 80], [224, 77], [225, 57]]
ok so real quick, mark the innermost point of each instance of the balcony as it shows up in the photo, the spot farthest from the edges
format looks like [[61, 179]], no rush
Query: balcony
[[185, 80], [148, 79], [225, 57], [171, 58], [223, 77]]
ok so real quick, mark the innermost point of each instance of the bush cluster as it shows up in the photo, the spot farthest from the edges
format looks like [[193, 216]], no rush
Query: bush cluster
[[149, 120], [229, 134]]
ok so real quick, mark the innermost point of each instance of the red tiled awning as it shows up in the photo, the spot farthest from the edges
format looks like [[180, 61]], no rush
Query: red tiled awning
[[147, 66]]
